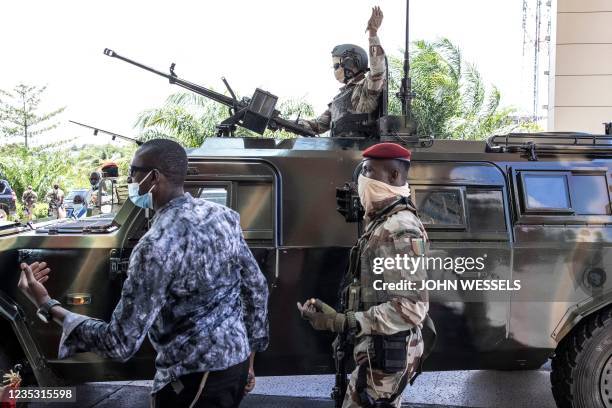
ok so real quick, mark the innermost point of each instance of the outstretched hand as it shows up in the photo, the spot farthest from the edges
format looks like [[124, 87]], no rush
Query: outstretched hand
[[322, 316], [375, 20], [31, 282]]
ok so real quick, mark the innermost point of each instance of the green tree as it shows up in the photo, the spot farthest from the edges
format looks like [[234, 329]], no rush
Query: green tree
[[189, 118], [451, 99], [41, 166], [19, 116], [38, 166]]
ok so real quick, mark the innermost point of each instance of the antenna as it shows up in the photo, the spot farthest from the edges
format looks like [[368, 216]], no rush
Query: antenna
[[405, 93]]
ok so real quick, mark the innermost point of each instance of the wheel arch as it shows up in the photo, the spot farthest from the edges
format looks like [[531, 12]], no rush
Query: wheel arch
[[577, 313]]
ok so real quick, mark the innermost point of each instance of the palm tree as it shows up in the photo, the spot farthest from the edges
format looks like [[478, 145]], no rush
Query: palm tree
[[451, 101], [189, 118]]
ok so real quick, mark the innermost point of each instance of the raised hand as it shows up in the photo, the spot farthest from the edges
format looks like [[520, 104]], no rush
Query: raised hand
[[375, 20]]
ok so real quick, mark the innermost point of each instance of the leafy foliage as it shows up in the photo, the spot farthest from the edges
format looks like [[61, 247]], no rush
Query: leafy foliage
[[41, 166], [451, 102], [189, 118], [18, 113]]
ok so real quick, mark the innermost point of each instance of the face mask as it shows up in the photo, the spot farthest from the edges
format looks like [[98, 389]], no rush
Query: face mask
[[372, 191], [142, 201]]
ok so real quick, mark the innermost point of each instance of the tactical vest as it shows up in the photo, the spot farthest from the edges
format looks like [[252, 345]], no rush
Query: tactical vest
[[358, 292], [345, 122]]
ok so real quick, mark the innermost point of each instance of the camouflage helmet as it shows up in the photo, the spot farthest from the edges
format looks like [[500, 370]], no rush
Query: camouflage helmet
[[353, 58]]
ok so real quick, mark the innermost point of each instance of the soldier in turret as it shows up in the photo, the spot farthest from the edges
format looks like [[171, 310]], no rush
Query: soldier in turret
[[383, 323], [351, 113]]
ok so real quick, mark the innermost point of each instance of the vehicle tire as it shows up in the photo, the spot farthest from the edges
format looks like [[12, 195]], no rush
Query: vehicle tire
[[581, 375]]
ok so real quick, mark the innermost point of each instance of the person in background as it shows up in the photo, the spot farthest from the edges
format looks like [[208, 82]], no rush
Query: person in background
[[91, 199], [29, 198], [55, 198], [78, 208]]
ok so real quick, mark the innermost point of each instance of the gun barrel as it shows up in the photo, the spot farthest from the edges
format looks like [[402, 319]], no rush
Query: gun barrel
[[215, 96], [293, 127], [174, 80]]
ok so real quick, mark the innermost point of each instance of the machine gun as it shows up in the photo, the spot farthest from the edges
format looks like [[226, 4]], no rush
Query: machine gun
[[256, 113]]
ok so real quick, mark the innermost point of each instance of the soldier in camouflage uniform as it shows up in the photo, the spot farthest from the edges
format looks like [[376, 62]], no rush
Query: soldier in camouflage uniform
[[29, 198], [371, 316], [352, 112]]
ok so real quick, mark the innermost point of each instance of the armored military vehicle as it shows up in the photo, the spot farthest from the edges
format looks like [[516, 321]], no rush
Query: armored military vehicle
[[535, 208], [538, 206]]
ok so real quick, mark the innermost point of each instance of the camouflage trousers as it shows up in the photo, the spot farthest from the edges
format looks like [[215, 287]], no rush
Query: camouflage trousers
[[379, 383]]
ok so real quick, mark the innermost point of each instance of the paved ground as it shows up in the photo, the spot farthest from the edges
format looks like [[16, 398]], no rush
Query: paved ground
[[454, 389]]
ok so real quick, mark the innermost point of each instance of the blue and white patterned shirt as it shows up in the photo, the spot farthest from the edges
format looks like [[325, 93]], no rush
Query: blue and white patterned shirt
[[193, 286]]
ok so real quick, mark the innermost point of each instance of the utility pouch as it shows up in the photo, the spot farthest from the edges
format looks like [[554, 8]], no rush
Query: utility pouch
[[353, 296], [390, 354]]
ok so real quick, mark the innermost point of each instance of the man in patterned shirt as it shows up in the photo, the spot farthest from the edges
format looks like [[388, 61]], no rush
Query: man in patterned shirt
[[192, 285], [351, 111]]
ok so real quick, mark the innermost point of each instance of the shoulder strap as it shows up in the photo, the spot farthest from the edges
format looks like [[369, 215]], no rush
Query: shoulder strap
[[429, 339]]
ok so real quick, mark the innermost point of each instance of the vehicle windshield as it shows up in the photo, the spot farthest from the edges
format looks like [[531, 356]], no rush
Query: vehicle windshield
[[97, 213], [74, 193]]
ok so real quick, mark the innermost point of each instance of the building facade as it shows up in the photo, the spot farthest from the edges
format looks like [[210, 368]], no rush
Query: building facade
[[580, 91]]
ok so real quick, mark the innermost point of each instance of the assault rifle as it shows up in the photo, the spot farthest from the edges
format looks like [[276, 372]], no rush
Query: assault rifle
[[256, 113], [341, 382]]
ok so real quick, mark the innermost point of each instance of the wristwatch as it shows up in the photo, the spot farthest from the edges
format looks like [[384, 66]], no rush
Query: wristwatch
[[44, 311]]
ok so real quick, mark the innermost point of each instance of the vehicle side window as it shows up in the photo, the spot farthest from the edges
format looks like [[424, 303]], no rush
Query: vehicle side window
[[441, 206], [255, 204], [590, 194], [485, 210], [215, 194], [564, 192], [253, 200], [546, 192]]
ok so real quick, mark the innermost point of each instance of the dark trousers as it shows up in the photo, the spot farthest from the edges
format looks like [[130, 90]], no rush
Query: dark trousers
[[222, 389]]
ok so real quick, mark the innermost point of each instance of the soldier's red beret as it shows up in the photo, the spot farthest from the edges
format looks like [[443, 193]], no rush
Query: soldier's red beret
[[387, 150]]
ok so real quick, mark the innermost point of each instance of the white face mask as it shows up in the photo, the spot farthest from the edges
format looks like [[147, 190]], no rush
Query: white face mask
[[145, 200], [372, 191]]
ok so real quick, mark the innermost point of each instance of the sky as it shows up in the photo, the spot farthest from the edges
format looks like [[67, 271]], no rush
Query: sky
[[282, 46]]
